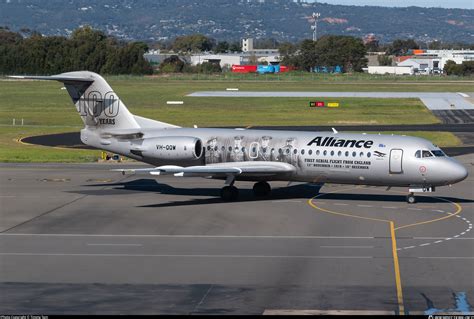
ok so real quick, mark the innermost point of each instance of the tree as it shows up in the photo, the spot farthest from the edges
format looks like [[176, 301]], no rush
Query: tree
[[235, 47], [287, 51], [331, 51], [193, 43], [464, 69], [208, 68], [222, 47], [401, 47], [384, 60], [173, 64], [86, 49]]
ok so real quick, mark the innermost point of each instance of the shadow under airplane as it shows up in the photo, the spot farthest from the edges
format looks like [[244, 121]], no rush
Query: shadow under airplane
[[294, 191]]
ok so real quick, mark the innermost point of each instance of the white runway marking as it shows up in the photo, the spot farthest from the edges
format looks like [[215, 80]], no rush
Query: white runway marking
[[114, 245], [184, 256], [286, 201], [365, 206], [467, 257], [360, 247], [442, 239], [186, 236], [428, 238]]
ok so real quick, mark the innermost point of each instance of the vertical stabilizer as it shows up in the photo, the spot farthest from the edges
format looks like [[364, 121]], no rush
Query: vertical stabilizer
[[95, 101]]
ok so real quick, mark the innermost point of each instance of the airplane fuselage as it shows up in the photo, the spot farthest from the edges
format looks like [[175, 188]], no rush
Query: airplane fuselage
[[347, 158]]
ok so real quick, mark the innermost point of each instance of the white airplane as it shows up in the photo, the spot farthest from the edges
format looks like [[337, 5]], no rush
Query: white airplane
[[254, 155]]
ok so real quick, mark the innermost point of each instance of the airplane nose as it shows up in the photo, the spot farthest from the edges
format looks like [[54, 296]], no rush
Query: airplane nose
[[459, 173]]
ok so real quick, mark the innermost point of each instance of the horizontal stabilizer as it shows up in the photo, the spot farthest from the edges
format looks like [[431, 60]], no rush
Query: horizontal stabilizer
[[60, 78]]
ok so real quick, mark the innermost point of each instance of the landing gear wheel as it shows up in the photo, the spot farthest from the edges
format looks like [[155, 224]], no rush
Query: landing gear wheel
[[229, 193], [411, 199], [262, 189]]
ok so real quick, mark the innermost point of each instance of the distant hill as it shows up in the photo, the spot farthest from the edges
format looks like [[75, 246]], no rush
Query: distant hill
[[284, 20]]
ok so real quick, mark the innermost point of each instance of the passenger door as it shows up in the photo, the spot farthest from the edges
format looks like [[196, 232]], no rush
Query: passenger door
[[396, 159]]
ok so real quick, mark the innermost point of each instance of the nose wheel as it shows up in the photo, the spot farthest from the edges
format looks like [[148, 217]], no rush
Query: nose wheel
[[411, 199]]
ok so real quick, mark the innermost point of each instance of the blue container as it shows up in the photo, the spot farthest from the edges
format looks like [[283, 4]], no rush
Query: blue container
[[262, 69]]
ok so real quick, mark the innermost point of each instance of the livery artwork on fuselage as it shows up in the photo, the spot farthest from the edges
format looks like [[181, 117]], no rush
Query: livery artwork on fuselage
[[334, 142]]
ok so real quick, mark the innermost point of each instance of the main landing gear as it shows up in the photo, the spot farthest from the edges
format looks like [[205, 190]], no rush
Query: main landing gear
[[262, 189], [230, 193]]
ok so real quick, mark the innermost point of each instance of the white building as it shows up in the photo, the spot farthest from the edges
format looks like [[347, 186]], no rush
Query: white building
[[422, 64], [247, 47], [224, 60], [435, 60], [458, 56], [393, 70]]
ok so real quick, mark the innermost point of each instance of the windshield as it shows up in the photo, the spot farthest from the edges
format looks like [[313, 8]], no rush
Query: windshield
[[438, 153], [427, 154]]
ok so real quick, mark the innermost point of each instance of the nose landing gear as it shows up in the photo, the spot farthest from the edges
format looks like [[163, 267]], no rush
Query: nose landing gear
[[411, 199]]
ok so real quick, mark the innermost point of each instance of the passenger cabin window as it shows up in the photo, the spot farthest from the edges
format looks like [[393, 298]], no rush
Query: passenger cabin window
[[427, 154]]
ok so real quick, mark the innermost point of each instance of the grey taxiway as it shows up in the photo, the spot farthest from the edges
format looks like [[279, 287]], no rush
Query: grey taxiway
[[81, 239]]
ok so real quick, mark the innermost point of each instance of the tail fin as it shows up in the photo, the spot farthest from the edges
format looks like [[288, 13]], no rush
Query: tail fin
[[95, 101]]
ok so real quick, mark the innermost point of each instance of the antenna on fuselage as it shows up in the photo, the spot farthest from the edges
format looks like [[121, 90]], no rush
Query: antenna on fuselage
[[334, 131]]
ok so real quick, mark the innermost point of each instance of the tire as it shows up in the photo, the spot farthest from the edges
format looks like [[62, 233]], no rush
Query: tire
[[262, 189], [229, 193], [411, 199]]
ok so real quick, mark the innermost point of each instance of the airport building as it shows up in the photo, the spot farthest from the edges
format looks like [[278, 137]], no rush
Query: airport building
[[433, 61], [249, 55]]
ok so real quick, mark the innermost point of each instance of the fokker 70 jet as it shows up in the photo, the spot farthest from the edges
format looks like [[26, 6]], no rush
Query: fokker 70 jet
[[260, 156]]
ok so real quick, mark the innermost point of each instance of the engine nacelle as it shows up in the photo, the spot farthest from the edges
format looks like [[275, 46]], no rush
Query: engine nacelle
[[172, 148]]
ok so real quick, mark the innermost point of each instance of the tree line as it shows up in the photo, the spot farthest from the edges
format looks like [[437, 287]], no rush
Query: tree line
[[85, 49], [28, 52]]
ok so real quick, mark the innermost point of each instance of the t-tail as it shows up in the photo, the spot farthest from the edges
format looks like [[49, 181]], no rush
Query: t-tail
[[99, 106]]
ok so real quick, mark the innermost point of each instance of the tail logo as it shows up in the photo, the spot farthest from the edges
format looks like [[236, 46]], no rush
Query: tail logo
[[101, 109]]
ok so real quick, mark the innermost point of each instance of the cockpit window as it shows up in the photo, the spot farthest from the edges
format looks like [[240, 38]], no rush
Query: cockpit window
[[427, 154], [418, 154], [438, 153]]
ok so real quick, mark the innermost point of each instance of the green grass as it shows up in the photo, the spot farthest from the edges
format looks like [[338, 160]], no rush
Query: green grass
[[47, 109], [13, 151], [441, 139], [43, 103]]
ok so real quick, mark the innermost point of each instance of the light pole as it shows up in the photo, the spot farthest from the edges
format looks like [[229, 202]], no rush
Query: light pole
[[314, 27]]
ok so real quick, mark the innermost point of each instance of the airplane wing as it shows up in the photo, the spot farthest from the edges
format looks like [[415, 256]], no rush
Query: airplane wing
[[257, 168]]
